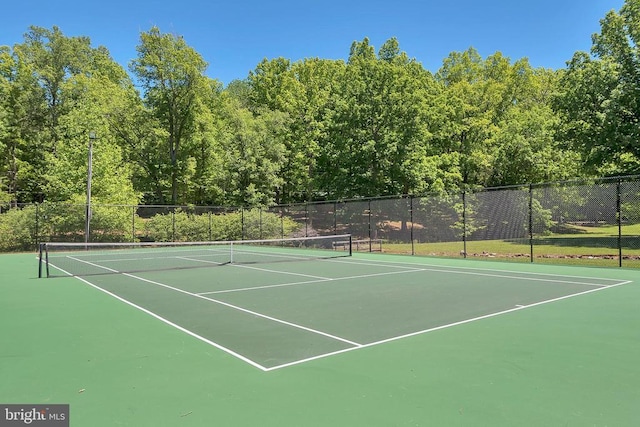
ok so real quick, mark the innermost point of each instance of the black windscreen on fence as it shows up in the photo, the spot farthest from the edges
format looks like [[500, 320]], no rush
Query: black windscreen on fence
[[321, 218], [588, 222], [630, 221], [577, 216]]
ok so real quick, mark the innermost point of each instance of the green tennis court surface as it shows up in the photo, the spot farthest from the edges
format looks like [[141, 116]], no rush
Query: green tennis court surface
[[363, 340]]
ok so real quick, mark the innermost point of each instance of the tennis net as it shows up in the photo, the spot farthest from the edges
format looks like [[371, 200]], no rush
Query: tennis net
[[84, 259]]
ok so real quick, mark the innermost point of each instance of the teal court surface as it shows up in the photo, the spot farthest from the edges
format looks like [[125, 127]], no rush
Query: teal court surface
[[368, 339]]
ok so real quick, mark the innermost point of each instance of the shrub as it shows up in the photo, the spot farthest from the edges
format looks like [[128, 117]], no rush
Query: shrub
[[185, 227], [18, 229]]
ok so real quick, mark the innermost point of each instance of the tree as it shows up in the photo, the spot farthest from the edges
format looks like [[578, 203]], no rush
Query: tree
[[375, 137], [252, 151], [172, 75], [497, 126], [302, 91], [93, 99], [43, 78], [599, 101], [208, 154], [526, 151]]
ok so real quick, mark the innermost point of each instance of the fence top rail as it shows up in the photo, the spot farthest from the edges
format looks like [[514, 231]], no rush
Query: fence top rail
[[525, 186]]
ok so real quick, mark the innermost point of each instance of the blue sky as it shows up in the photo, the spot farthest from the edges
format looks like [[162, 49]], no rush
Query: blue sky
[[234, 36]]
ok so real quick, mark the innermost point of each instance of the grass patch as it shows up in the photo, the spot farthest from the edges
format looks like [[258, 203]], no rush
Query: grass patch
[[597, 246]]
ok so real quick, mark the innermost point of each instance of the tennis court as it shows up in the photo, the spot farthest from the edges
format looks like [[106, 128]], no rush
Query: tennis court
[[282, 308], [388, 318]]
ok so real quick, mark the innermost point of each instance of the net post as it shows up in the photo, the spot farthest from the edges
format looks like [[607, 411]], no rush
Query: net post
[[46, 257], [231, 253], [350, 245], [39, 260]]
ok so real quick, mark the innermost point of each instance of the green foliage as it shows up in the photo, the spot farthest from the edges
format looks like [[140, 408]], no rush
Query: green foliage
[[496, 116], [66, 222], [258, 224], [252, 154], [61, 221], [18, 229], [598, 103], [541, 218], [526, 151], [186, 226], [172, 75], [179, 226], [112, 223], [377, 124], [375, 136]]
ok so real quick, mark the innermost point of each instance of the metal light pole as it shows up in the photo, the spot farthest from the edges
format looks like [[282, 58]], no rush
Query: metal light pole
[[87, 229]]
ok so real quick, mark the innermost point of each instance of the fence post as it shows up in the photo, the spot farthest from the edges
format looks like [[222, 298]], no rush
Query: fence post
[[37, 230], [282, 221], [133, 223], [260, 223], [306, 219], [210, 231], [369, 219], [335, 217], [242, 223], [173, 224], [464, 224], [619, 215], [531, 223], [413, 251]]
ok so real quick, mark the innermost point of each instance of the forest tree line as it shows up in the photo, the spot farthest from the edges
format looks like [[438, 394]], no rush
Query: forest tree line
[[316, 129]]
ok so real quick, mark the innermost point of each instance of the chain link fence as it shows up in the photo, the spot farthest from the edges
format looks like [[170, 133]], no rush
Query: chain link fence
[[586, 223]]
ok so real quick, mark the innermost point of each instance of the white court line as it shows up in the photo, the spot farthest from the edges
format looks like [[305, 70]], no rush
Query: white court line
[[280, 285], [437, 328], [193, 334], [260, 269], [254, 313], [280, 272], [413, 270], [200, 260], [438, 269], [252, 288], [529, 279], [94, 265], [137, 252], [401, 263], [175, 325], [143, 259], [244, 310], [356, 345], [454, 270]]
